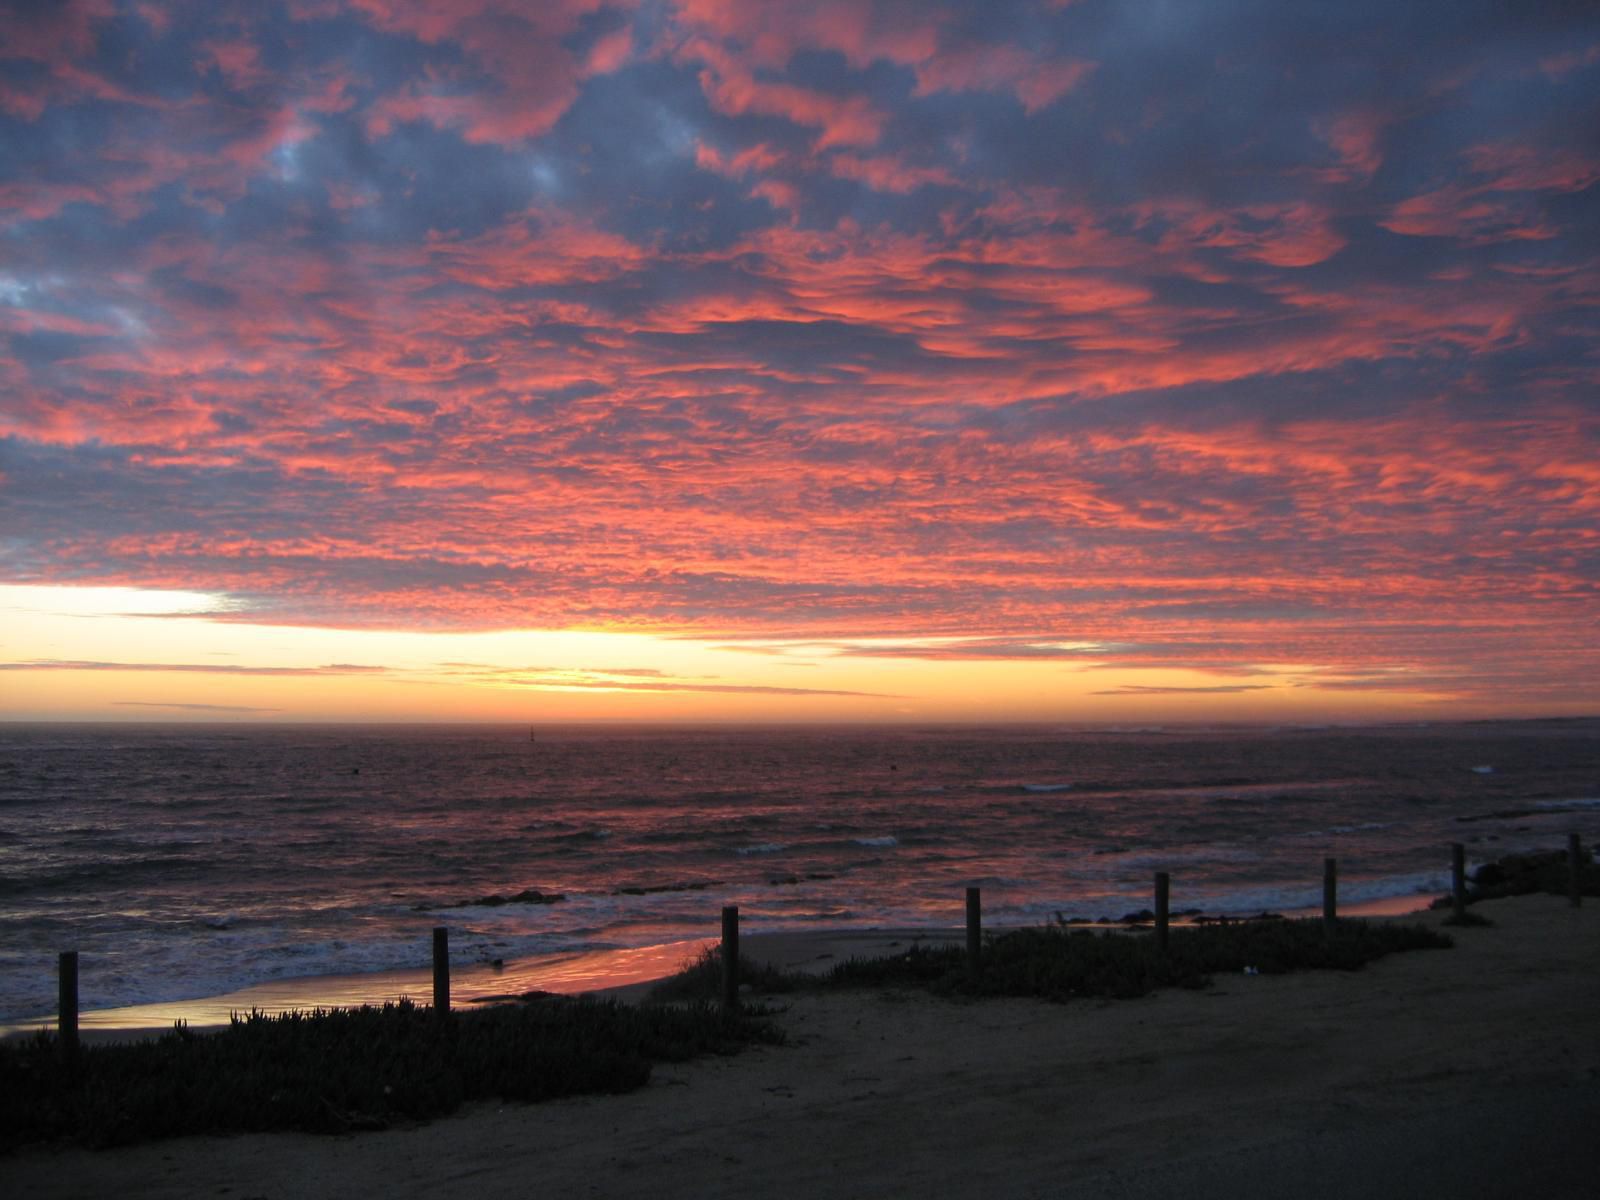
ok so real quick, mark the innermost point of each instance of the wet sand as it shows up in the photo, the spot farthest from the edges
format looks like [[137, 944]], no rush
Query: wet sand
[[1465, 1072]]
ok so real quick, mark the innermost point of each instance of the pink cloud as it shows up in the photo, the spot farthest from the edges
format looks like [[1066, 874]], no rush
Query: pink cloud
[[772, 32], [1036, 82], [1558, 66], [1496, 205], [518, 47], [239, 62], [734, 90], [1298, 234], [1356, 139], [886, 173]]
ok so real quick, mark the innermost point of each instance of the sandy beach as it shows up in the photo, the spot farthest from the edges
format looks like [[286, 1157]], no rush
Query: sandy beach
[[1466, 1072]]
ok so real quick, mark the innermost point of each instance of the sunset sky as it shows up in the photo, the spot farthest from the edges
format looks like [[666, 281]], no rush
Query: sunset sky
[[734, 360]]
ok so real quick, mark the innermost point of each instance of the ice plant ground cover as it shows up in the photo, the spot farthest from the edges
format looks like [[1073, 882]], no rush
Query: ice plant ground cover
[[1054, 963], [342, 1070]]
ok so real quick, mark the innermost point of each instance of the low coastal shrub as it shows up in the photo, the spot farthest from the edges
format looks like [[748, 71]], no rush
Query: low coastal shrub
[[1057, 963], [1061, 964], [701, 979], [335, 1071], [1544, 872]]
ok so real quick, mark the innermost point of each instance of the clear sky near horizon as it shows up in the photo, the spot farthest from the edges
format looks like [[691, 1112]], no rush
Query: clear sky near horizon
[[746, 360]]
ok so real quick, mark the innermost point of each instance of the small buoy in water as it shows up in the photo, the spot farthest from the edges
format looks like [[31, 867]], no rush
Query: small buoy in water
[[355, 770], [499, 964]]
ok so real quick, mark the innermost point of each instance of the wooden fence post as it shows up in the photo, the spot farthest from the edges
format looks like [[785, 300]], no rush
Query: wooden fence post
[[441, 971], [974, 932], [1458, 878], [730, 957], [1330, 895], [67, 1008], [1163, 891], [1574, 870]]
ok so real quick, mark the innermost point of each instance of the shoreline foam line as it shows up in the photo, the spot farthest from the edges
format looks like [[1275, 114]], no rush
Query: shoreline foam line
[[471, 984], [624, 972]]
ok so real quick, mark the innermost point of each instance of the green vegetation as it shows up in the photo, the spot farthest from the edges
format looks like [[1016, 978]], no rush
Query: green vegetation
[[349, 1069], [1061, 964]]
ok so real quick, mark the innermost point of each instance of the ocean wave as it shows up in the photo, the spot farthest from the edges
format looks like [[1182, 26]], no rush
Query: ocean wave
[[1190, 854], [1363, 827], [581, 835], [95, 878], [447, 815]]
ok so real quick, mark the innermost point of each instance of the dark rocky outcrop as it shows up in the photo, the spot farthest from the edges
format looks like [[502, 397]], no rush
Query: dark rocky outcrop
[[652, 889], [526, 896]]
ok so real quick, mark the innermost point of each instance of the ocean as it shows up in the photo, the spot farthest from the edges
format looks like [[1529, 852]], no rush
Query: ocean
[[187, 861]]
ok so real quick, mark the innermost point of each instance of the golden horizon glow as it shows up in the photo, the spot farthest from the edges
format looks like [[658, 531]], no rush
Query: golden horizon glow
[[111, 654]]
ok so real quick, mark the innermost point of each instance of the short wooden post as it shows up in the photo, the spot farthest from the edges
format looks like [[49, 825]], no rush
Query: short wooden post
[[1163, 892], [730, 957], [441, 971], [1330, 895], [67, 1009], [1458, 877], [1574, 870], [974, 932]]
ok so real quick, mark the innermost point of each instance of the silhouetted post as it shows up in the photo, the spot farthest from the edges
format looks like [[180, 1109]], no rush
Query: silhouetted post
[[730, 957], [441, 971], [1458, 877], [1162, 894], [67, 1009], [1574, 870], [1330, 895], [974, 931]]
